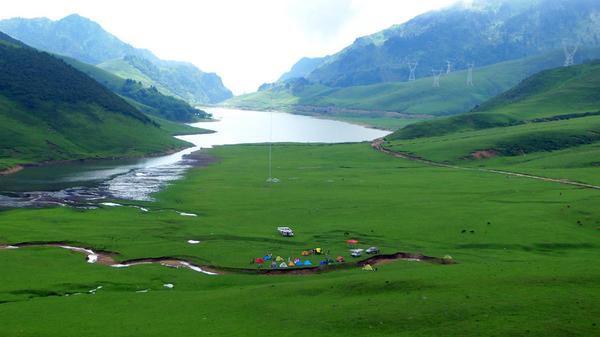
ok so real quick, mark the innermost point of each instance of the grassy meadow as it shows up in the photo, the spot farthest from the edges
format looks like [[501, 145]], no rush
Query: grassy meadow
[[548, 125], [526, 253]]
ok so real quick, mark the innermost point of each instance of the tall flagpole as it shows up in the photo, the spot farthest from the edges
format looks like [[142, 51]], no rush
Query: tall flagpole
[[270, 146]]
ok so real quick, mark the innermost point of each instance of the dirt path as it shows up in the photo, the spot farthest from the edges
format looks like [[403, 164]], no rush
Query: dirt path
[[377, 144]]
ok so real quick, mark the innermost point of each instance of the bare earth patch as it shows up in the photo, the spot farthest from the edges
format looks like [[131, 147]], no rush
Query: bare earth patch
[[484, 154]]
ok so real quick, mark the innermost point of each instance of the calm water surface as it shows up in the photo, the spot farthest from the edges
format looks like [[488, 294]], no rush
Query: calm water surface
[[138, 179]]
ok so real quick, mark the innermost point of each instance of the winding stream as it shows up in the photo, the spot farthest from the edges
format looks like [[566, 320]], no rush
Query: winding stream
[[85, 184]]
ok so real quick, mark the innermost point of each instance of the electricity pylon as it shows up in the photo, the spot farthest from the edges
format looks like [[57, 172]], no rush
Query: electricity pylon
[[413, 67], [436, 77]]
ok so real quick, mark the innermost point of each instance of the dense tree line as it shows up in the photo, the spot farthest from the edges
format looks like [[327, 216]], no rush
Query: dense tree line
[[164, 106]]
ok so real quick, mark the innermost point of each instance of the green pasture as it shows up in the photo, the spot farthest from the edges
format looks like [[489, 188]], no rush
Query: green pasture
[[526, 253]]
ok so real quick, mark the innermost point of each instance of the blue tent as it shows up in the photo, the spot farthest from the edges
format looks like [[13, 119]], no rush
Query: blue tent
[[267, 257], [307, 263], [298, 263]]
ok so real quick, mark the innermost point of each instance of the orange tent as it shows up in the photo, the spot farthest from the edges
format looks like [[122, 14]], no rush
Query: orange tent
[[305, 253]]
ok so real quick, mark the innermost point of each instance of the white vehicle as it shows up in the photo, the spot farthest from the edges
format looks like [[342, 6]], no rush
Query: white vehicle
[[285, 231], [356, 252]]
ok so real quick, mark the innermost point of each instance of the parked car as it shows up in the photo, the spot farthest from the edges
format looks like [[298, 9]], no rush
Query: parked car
[[373, 250], [285, 231]]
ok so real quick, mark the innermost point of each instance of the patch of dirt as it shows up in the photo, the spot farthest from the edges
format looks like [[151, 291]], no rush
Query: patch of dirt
[[384, 259], [484, 154], [11, 170], [200, 158]]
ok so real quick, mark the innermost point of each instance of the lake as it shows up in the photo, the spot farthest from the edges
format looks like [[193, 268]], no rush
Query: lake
[[137, 179]]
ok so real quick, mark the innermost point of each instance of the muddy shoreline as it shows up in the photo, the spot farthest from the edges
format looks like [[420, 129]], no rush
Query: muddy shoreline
[[94, 195], [20, 167], [11, 170]]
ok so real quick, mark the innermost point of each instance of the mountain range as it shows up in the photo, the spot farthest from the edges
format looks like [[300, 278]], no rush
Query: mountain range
[[504, 40], [50, 111], [482, 32], [86, 41]]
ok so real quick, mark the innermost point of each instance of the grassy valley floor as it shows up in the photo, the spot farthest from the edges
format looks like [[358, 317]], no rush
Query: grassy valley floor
[[526, 253]]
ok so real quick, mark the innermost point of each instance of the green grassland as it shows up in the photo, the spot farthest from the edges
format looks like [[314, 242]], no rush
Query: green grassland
[[418, 97], [527, 269]]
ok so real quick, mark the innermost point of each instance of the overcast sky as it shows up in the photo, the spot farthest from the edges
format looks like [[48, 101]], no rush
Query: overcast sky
[[246, 42]]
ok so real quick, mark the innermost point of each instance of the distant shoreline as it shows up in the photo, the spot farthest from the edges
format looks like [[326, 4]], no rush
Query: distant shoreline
[[11, 170]]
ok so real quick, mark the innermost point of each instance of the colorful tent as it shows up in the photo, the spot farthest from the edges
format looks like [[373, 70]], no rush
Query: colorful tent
[[318, 251], [307, 263], [339, 259], [291, 264], [267, 257], [299, 263], [259, 260], [324, 262], [279, 259], [352, 242], [274, 265], [283, 265], [368, 267], [305, 253]]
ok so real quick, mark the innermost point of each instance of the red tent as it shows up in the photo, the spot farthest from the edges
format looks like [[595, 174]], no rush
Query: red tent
[[259, 260], [352, 242]]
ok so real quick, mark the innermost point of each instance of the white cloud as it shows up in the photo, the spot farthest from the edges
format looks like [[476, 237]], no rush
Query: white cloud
[[246, 42]]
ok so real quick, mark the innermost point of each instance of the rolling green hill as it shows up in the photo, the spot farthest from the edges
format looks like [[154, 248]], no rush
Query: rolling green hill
[[412, 98], [548, 120], [49, 111], [148, 99]]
